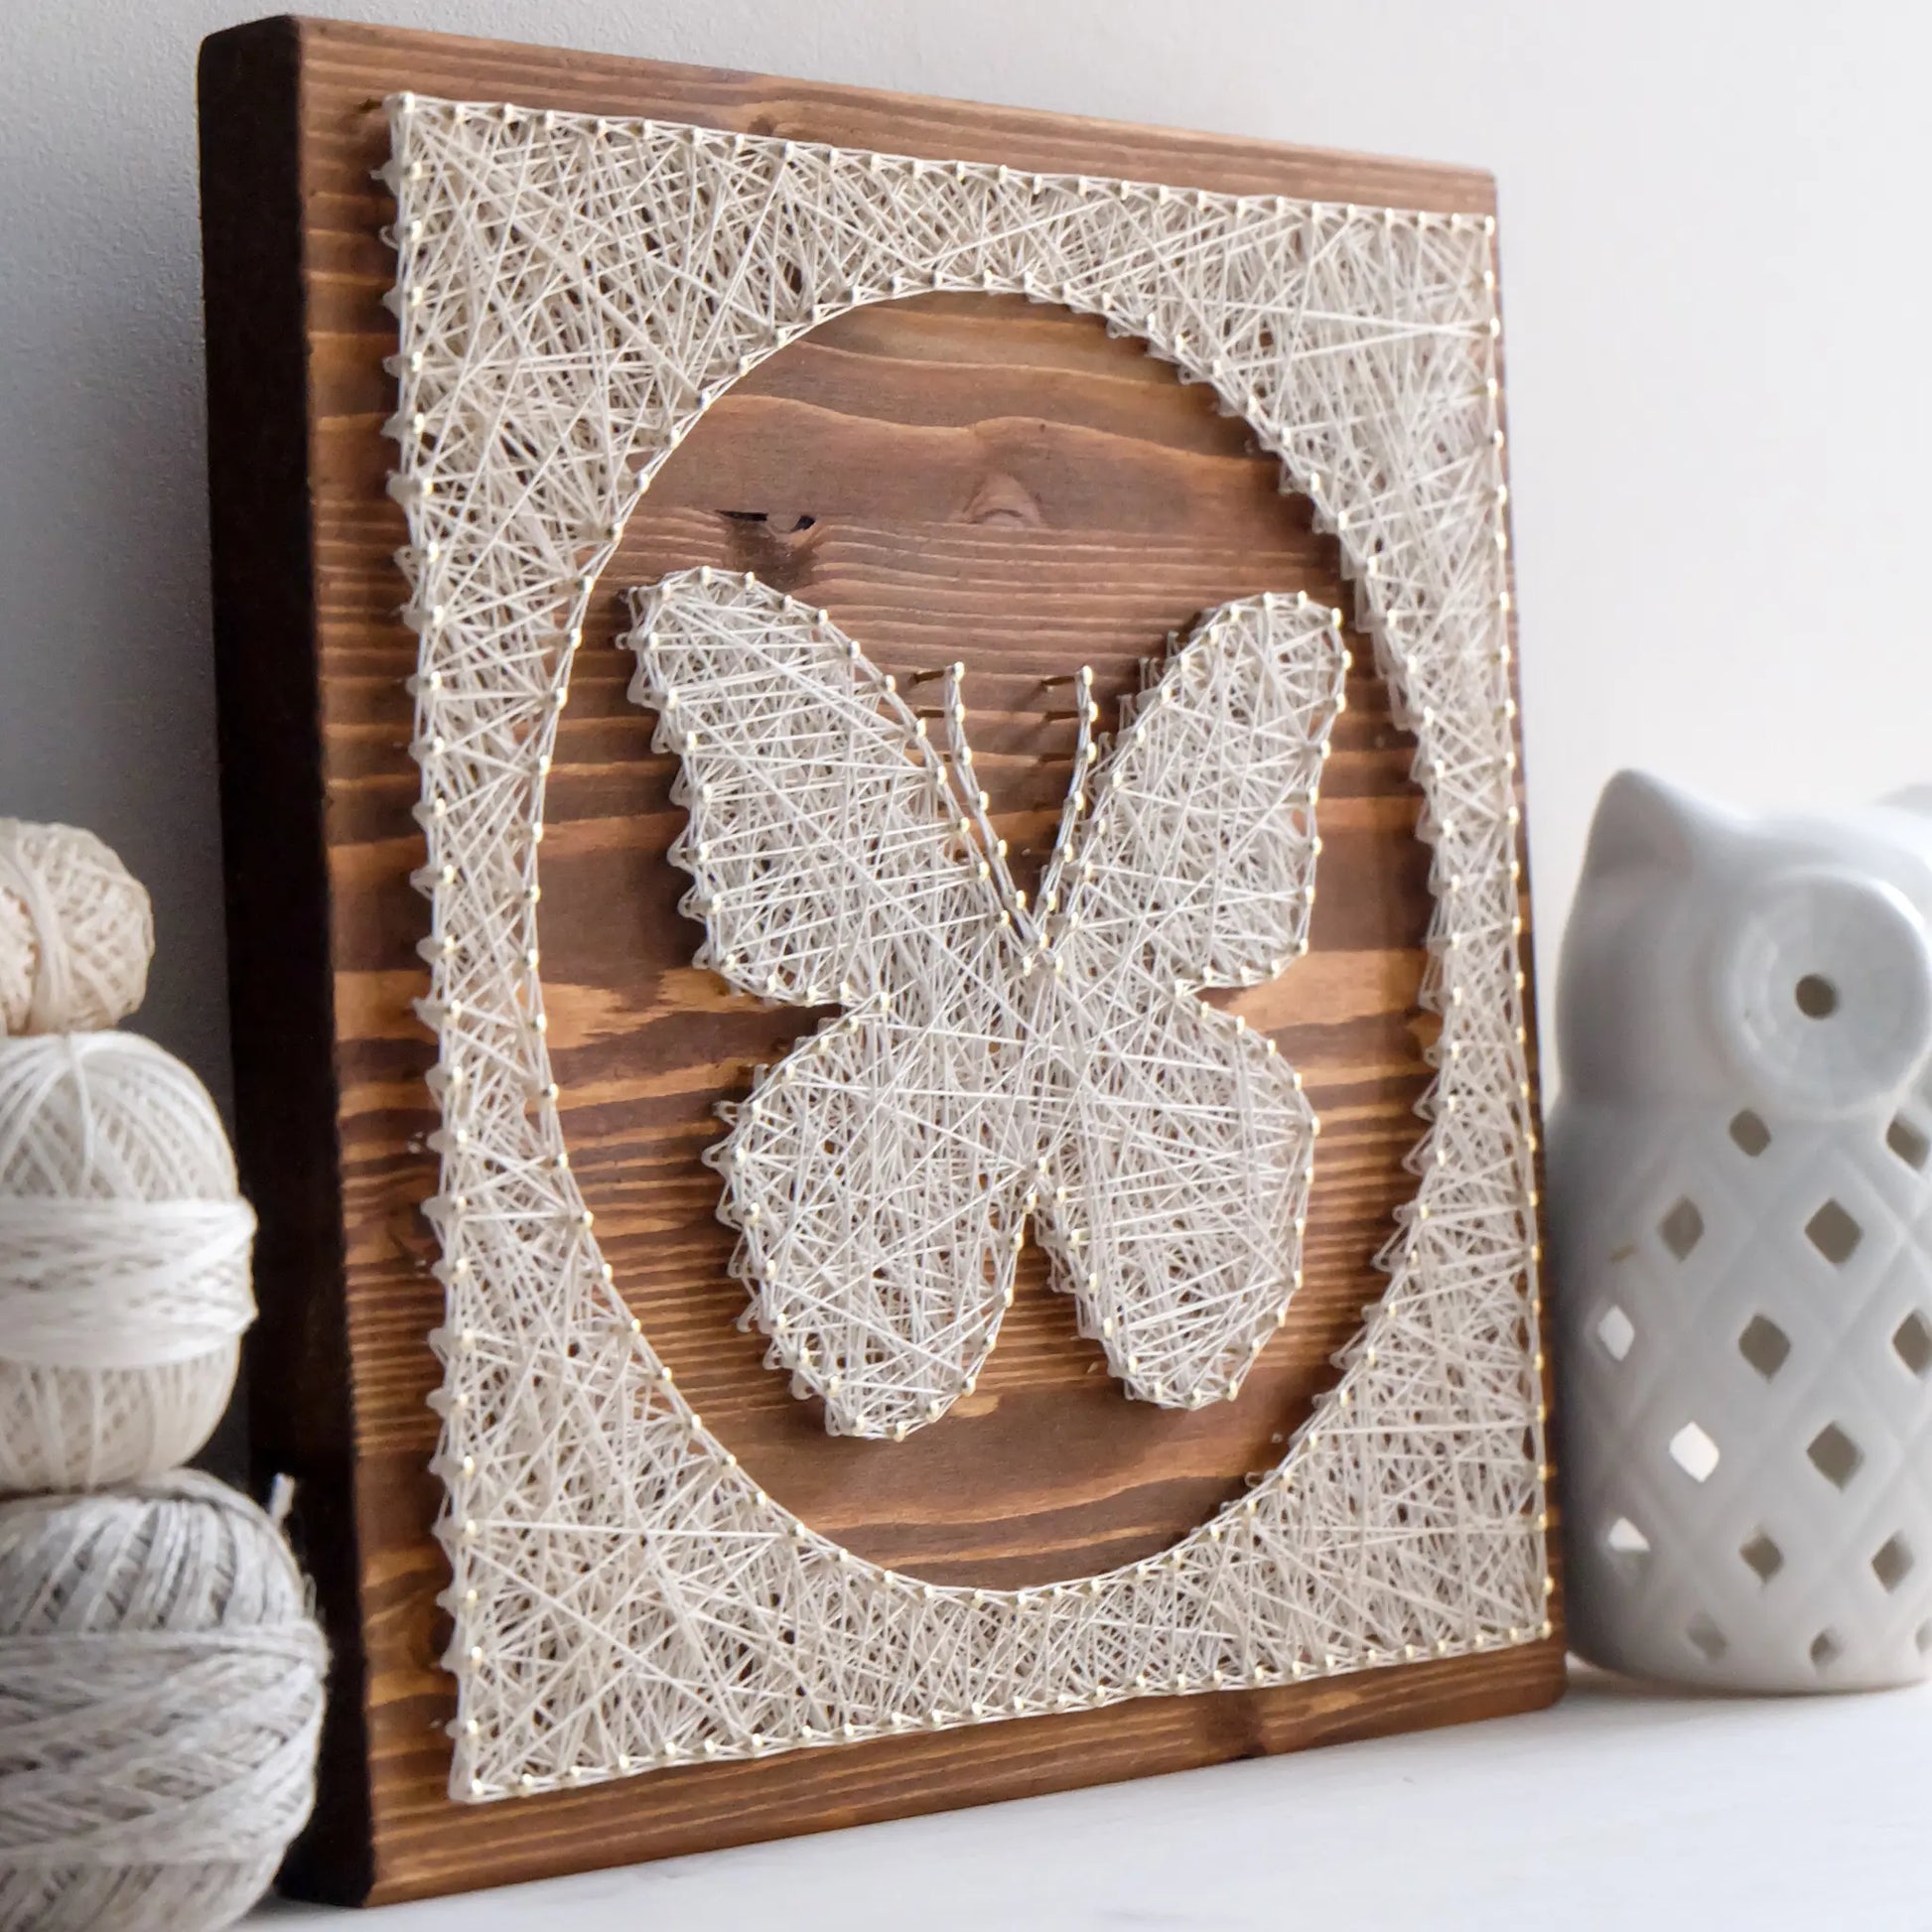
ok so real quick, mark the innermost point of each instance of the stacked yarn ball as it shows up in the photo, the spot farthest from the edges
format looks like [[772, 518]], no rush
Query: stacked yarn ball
[[161, 1692], [161, 1671], [124, 1282], [76, 931]]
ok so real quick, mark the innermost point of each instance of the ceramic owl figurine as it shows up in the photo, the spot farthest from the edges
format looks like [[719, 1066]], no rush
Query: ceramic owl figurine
[[1741, 1183]]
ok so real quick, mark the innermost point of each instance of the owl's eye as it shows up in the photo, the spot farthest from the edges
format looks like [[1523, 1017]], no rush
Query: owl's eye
[[1824, 990], [1816, 996]]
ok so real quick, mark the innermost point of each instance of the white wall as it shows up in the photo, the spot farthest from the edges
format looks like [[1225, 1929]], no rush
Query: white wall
[[1716, 286]]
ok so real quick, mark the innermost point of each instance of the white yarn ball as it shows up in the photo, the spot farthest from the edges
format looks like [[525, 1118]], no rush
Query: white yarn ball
[[76, 931], [124, 1253], [161, 1694]]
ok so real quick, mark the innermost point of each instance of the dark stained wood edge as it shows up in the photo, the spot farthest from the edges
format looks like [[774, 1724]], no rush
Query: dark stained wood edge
[[282, 1008]]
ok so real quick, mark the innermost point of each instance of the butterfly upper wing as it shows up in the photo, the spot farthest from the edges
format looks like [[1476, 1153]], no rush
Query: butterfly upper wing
[[1199, 859], [823, 840], [1185, 1152]]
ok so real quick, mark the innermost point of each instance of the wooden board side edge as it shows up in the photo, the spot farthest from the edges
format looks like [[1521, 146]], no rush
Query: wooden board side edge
[[282, 1008]]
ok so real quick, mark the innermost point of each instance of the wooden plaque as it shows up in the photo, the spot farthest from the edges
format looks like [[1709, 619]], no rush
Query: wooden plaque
[[950, 475]]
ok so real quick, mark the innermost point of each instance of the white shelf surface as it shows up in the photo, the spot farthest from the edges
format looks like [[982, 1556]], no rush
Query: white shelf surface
[[1618, 1808]]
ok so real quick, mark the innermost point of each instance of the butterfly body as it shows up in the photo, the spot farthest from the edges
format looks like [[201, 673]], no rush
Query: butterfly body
[[999, 1067]]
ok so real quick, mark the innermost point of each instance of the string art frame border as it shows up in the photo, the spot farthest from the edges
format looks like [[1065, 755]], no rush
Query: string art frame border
[[571, 293]]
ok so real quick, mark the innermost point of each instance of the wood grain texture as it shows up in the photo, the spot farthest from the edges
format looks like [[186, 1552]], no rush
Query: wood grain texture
[[954, 477]]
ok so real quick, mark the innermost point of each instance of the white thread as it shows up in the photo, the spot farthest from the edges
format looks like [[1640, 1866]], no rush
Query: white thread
[[993, 1062], [161, 1692], [76, 931], [124, 1260], [573, 294]]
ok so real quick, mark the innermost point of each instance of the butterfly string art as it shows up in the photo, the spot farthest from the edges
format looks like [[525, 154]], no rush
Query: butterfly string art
[[574, 293], [997, 1063]]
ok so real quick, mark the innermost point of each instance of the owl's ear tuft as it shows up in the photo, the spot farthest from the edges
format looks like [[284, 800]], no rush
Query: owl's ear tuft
[[1915, 799], [1643, 823]]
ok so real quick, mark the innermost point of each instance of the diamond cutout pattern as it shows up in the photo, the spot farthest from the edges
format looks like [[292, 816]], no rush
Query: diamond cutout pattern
[[1833, 1233], [1681, 1229], [1694, 1453], [1763, 1556], [1835, 1456], [1764, 1345], [1626, 1540], [1708, 1639], [1911, 1341], [1754, 1575], [1617, 1332], [1894, 1563], [1909, 1142]]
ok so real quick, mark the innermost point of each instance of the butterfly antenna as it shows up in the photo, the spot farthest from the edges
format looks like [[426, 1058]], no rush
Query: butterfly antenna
[[972, 798], [1086, 754]]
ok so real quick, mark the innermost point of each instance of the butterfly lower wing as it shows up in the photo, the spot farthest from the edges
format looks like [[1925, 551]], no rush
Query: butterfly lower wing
[[1179, 1192], [877, 1185]]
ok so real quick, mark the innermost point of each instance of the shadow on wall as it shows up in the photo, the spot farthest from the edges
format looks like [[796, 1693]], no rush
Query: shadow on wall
[[108, 720]]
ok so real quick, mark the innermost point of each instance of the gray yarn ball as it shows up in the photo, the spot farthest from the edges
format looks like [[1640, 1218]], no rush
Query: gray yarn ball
[[161, 1688]]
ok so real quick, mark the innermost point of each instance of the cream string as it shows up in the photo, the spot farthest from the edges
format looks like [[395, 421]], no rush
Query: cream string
[[572, 293]]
